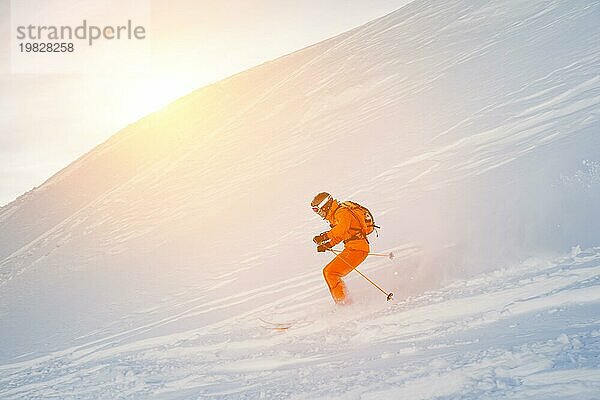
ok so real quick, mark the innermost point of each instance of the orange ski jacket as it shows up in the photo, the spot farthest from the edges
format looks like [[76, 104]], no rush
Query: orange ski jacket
[[343, 228]]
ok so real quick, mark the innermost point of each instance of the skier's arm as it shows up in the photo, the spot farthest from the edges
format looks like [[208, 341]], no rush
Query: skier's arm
[[341, 228]]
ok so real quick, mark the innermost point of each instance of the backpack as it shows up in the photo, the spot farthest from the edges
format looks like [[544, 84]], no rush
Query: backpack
[[363, 216]]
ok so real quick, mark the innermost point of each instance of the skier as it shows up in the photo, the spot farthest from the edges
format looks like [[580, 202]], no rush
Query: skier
[[347, 222]]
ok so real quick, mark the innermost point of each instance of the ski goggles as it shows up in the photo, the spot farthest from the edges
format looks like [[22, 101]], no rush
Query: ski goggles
[[322, 213], [318, 208]]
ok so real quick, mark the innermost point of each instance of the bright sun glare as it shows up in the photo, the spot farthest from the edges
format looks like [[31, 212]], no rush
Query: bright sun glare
[[153, 93]]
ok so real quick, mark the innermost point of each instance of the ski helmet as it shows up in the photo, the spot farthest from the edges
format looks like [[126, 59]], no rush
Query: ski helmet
[[322, 203]]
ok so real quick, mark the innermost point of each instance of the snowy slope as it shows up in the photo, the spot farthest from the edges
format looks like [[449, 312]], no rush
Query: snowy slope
[[468, 127], [530, 331]]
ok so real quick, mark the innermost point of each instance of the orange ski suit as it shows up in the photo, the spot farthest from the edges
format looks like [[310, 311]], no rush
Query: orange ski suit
[[344, 228]]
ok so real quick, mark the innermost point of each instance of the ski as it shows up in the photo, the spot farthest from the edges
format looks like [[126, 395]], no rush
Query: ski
[[277, 326]]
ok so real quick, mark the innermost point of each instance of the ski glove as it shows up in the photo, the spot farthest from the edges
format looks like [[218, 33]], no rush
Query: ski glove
[[319, 239], [323, 247]]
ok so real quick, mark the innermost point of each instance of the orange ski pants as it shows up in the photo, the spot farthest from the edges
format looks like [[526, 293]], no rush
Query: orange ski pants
[[339, 267]]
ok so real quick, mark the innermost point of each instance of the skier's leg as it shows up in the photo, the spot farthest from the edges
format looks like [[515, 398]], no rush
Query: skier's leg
[[339, 267]]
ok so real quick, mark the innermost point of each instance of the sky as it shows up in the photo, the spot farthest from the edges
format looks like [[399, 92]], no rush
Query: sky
[[47, 120]]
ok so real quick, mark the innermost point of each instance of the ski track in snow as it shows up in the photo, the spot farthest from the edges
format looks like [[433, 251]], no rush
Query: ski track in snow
[[530, 331]]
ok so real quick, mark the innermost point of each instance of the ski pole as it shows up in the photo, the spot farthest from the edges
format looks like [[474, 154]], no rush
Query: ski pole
[[389, 255], [388, 295]]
